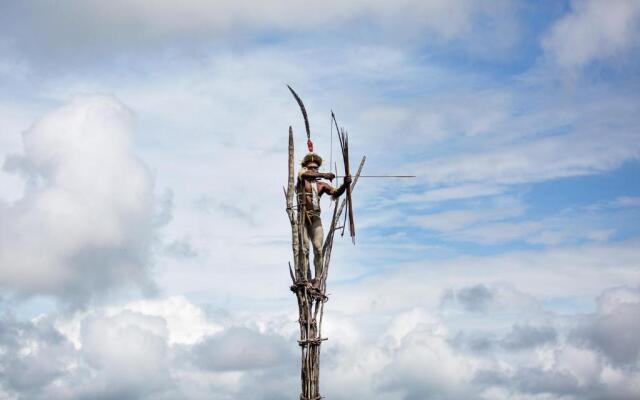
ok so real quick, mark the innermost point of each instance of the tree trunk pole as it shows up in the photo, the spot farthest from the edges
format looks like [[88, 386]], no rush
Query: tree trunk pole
[[310, 300]]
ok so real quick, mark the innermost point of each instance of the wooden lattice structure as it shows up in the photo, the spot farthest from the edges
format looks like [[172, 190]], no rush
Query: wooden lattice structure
[[311, 298]]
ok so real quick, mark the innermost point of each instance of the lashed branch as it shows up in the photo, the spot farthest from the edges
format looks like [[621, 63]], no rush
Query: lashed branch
[[310, 299], [295, 234]]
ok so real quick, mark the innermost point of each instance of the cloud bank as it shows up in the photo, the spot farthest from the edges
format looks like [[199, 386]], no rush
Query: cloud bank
[[126, 354], [85, 222], [93, 29]]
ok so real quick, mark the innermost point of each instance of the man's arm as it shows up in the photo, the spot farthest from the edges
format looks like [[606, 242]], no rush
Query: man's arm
[[306, 174], [335, 193]]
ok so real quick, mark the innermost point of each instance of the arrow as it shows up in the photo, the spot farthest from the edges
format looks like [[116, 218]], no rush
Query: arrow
[[381, 176]]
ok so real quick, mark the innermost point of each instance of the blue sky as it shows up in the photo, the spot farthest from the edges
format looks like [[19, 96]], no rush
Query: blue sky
[[143, 239]]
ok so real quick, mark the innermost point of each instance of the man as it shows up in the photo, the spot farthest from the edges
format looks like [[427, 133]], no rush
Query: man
[[309, 179]]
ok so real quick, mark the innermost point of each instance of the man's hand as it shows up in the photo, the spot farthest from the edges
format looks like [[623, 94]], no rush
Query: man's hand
[[345, 184], [330, 176]]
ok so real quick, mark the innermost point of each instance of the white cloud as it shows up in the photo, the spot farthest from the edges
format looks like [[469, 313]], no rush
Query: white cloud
[[456, 192], [410, 353], [94, 26], [498, 209], [424, 364], [614, 297], [583, 363], [117, 353], [85, 222], [543, 159], [593, 30], [609, 329], [501, 221], [128, 351], [14, 119], [186, 322], [627, 201], [495, 298], [240, 349], [574, 132], [543, 274]]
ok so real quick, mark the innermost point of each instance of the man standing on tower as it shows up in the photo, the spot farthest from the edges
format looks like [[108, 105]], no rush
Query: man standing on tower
[[309, 184]]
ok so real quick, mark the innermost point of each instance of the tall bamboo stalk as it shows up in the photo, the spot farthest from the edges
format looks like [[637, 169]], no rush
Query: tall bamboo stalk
[[310, 300]]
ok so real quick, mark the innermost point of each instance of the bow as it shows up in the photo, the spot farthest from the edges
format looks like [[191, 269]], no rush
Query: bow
[[344, 147], [306, 119]]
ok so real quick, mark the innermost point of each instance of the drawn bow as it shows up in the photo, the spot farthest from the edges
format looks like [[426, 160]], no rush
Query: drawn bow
[[343, 138]]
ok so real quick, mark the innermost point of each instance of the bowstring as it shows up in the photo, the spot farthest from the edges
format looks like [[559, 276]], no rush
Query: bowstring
[[331, 148]]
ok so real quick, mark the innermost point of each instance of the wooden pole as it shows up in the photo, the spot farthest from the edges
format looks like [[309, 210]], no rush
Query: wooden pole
[[310, 299], [295, 234]]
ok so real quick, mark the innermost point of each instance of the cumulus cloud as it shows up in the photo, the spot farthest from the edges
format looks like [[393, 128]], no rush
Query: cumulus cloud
[[525, 337], [481, 298], [129, 354], [533, 381], [521, 338], [121, 357], [409, 358], [474, 298], [33, 355], [562, 372], [85, 222], [142, 350], [585, 359], [593, 30], [239, 348], [611, 330], [423, 364], [186, 322], [126, 354]]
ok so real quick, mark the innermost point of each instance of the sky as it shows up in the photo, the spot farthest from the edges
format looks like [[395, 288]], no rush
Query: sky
[[143, 236]]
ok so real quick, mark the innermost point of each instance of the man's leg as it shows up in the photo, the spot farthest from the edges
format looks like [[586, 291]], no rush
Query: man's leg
[[305, 249], [317, 237]]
